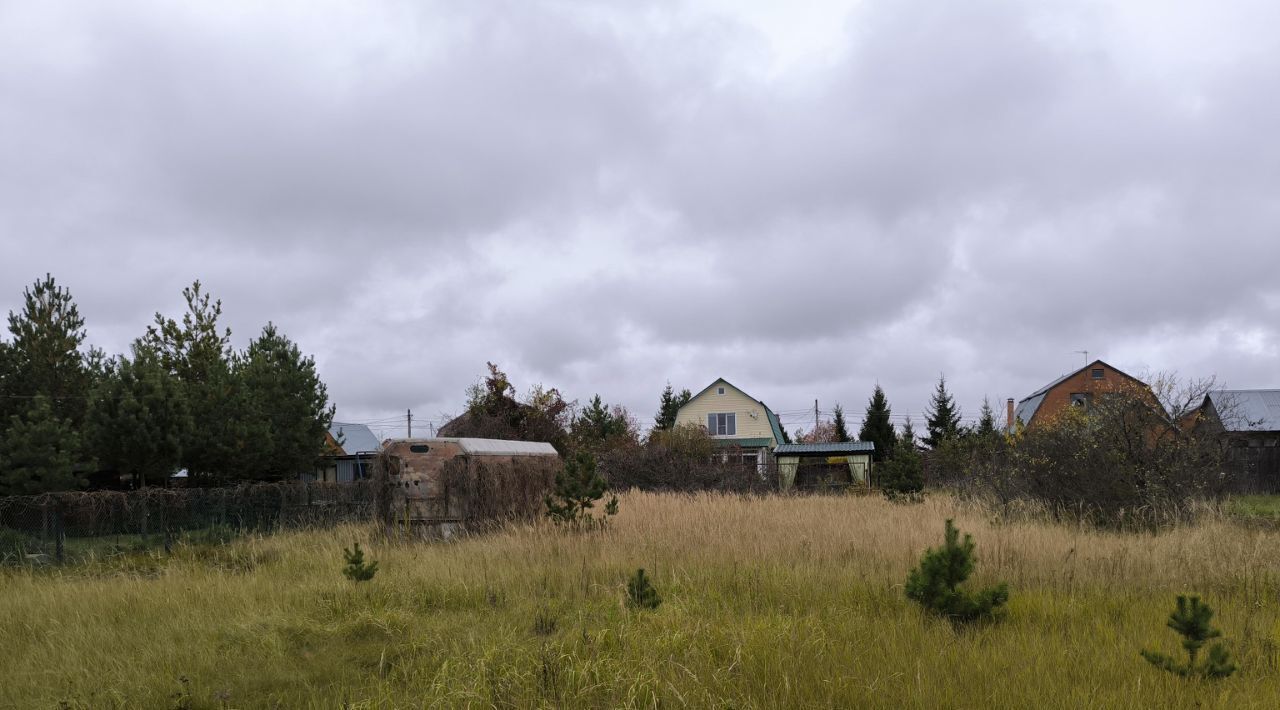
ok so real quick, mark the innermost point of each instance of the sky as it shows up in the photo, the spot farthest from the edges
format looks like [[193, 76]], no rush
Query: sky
[[605, 197]]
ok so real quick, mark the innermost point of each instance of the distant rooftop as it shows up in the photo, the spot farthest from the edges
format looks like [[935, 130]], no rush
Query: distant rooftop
[[354, 438], [1247, 410], [835, 447]]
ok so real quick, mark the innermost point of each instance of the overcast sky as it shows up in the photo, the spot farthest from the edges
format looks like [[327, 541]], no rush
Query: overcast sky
[[607, 196]]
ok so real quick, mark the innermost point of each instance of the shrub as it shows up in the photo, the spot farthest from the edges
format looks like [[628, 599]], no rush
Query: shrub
[[934, 582], [578, 488], [1191, 620], [357, 570], [902, 475], [640, 592]]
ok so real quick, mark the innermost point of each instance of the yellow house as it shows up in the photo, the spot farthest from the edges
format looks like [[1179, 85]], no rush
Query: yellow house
[[735, 420]]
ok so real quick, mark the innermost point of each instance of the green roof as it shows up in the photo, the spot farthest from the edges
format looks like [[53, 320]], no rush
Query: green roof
[[744, 443], [836, 448]]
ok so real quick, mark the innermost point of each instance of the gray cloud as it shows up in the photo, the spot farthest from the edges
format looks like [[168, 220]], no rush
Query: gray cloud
[[608, 197]]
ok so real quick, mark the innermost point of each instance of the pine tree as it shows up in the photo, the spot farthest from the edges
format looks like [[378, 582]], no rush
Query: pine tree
[[943, 417], [356, 569], [198, 352], [877, 427], [288, 410], [578, 488], [640, 592], [39, 453], [1191, 619], [600, 426], [841, 429], [669, 407], [138, 419], [44, 357], [933, 584]]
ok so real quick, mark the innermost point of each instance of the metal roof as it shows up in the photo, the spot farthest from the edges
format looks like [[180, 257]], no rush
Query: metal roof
[[837, 447], [745, 443], [1027, 408], [1247, 410], [491, 447], [1030, 404], [354, 438]]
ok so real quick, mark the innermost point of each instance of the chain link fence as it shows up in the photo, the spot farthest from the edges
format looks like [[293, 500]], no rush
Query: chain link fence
[[64, 526]]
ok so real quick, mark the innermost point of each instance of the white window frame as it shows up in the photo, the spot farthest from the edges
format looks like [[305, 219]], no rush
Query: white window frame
[[727, 420]]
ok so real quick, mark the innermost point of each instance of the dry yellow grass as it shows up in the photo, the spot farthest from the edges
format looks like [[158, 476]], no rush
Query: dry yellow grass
[[772, 602]]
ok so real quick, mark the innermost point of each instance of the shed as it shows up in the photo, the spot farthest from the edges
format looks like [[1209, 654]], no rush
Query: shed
[[442, 486], [840, 464]]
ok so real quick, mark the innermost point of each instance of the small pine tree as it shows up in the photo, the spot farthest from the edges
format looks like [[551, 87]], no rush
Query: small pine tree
[[357, 570], [934, 582], [1191, 619], [902, 476], [986, 421], [578, 488], [640, 592]]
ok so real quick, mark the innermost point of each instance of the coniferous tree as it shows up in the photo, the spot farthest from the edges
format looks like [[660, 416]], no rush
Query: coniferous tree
[[38, 455], [356, 569], [943, 417], [578, 488], [841, 429], [934, 583], [288, 410], [641, 593], [138, 419], [907, 438], [986, 421], [600, 426], [877, 427], [669, 407], [1191, 619], [44, 357], [198, 352]]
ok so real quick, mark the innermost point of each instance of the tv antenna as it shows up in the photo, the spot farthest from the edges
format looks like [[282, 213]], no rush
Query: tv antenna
[[1086, 356]]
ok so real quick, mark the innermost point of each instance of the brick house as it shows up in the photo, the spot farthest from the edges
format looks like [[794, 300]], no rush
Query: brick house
[[1077, 389]]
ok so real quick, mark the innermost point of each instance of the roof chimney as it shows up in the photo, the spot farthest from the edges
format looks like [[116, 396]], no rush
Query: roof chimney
[[1010, 422]]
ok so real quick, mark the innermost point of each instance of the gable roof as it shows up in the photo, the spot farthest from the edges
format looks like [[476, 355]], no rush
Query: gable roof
[[1030, 404], [774, 425], [354, 438], [1247, 410]]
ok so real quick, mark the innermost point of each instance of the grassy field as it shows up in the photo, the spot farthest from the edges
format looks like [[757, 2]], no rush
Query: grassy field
[[775, 602]]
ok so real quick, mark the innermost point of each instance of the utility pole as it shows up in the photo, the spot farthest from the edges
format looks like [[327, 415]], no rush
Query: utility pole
[[410, 434], [815, 417]]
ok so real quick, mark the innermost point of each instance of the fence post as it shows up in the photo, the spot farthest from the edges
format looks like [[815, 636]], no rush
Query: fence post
[[44, 522], [60, 537]]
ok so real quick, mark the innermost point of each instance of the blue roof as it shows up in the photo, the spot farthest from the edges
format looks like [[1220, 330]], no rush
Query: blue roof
[[834, 448], [354, 438]]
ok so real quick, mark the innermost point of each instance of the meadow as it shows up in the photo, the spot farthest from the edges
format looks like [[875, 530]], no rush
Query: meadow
[[767, 602]]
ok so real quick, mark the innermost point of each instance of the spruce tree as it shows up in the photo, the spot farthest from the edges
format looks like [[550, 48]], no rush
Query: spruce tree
[[669, 406], [578, 488], [138, 419], [600, 426], [39, 453], [877, 427], [288, 410], [641, 593], [943, 417], [907, 439], [841, 429], [986, 421], [356, 569]]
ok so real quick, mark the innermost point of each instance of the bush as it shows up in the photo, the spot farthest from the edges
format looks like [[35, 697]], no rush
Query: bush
[[934, 583], [1191, 620], [901, 477]]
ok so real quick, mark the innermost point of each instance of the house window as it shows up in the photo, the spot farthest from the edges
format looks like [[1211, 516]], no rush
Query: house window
[[1096, 373], [722, 424], [720, 390], [1080, 399]]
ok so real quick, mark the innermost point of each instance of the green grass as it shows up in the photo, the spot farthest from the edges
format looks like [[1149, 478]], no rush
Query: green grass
[[776, 602], [1265, 507]]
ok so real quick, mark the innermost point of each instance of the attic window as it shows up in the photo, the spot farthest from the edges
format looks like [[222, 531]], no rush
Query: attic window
[[1096, 373], [419, 448], [1080, 399], [720, 390]]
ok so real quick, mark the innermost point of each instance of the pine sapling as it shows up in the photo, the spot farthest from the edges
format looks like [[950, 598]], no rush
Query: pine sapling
[[1191, 619], [934, 582], [357, 570], [578, 488], [640, 592]]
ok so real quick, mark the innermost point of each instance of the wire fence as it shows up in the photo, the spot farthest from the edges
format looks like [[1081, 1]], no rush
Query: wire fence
[[57, 527]]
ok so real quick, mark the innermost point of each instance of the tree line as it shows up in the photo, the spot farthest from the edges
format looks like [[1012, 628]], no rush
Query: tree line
[[181, 398]]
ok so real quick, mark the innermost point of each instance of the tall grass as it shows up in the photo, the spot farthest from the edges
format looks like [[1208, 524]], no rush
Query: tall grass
[[767, 602]]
